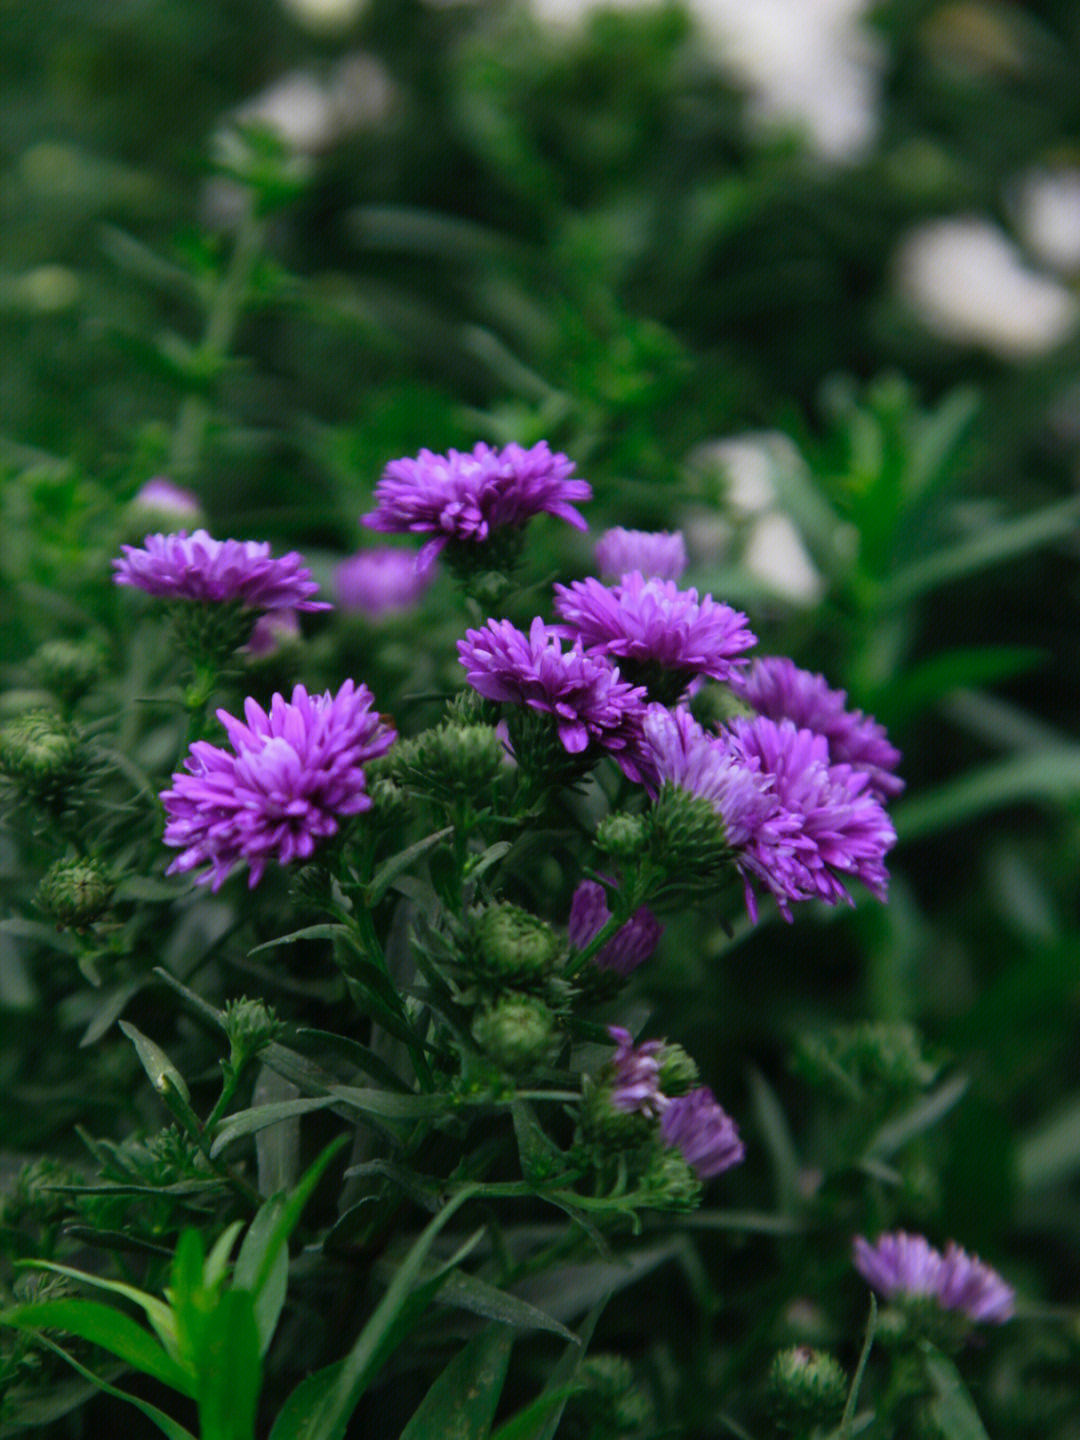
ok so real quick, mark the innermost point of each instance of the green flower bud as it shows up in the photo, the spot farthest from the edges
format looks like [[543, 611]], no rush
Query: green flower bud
[[678, 1073], [250, 1025], [468, 707], [688, 836], [517, 1032], [40, 752], [515, 945], [670, 1182], [610, 1405], [75, 892], [452, 762], [622, 836], [68, 667], [807, 1387]]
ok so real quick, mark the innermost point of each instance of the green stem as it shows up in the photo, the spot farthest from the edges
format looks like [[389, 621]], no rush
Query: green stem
[[365, 925], [223, 316]]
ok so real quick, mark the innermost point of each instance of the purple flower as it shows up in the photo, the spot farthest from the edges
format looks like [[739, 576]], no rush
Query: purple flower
[[272, 631], [381, 580], [291, 775], [165, 498], [657, 554], [778, 689], [829, 827], [706, 1136], [466, 496], [630, 946], [196, 567], [583, 693], [653, 625], [637, 1074], [900, 1266]]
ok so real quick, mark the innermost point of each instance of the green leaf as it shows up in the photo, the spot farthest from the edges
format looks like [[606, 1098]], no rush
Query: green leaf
[[469, 1292], [992, 546], [1047, 775], [1052, 1153], [847, 1420], [330, 1397], [230, 1369], [951, 670], [289, 1218], [896, 1133], [248, 1122], [397, 864], [270, 1298], [541, 1419], [778, 1140], [156, 1311], [163, 1074], [169, 1427], [389, 1105], [358, 1055], [326, 931], [461, 1403], [197, 1003], [105, 1326], [952, 1407]]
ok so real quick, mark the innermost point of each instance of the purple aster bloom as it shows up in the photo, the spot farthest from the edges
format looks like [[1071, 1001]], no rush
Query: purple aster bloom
[[196, 567], [165, 498], [637, 1074], [282, 789], [466, 496], [652, 625], [657, 554], [831, 827], [778, 689], [706, 1136], [377, 581], [900, 1266], [630, 946], [583, 693]]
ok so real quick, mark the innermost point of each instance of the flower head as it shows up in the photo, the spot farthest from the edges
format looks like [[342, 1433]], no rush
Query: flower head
[[159, 496], [196, 567], [828, 827], [705, 1135], [583, 693], [282, 789], [652, 625], [636, 1085], [630, 946], [378, 581], [657, 554], [901, 1266], [778, 689], [465, 497]]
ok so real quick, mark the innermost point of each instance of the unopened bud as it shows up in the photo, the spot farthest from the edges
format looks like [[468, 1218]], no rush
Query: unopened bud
[[670, 1182], [39, 751], [622, 836], [517, 1032], [76, 892], [688, 834], [250, 1025], [515, 945], [68, 668], [807, 1387], [678, 1072]]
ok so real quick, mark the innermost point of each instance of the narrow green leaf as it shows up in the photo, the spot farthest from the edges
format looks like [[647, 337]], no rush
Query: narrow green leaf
[[163, 1074], [388, 1105], [301, 1416], [230, 1369], [847, 1420], [778, 1140], [1052, 1153], [156, 1311], [197, 1003], [169, 1427], [327, 931], [952, 1407], [461, 1403], [896, 1133], [270, 1299], [1004, 541], [359, 1055], [952, 670], [291, 1211], [334, 1399], [105, 1326], [541, 1420], [469, 1292], [247, 1122], [397, 864], [1047, 775]]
